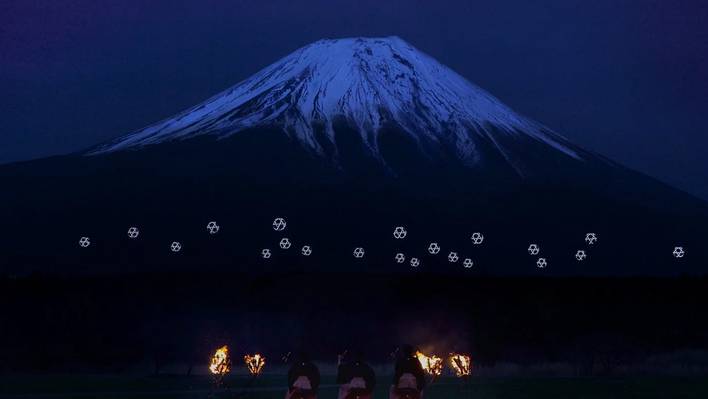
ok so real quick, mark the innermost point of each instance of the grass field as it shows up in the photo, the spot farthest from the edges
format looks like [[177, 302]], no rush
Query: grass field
[[272, 386]]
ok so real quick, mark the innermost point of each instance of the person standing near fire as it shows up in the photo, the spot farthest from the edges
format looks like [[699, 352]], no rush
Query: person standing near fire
[[409, 376], [303, 378], [355, 377]]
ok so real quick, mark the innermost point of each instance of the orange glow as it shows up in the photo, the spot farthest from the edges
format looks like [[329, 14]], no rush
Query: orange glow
[[255, 364], [432, 364], [462, 364], [220, 362]]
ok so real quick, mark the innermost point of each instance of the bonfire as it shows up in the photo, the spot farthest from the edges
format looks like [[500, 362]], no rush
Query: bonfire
[[255, 364], [432, 364], [220, 362], [461, 364]]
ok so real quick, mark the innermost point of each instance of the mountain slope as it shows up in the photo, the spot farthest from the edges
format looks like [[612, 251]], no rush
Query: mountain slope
[[368, 85]]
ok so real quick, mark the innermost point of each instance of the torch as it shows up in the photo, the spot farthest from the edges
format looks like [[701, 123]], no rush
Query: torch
[[432, 365], [462, 365], [255, 364], [219, 366]]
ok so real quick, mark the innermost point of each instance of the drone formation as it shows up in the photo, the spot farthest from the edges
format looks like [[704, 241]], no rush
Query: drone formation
[[399, 233], [580, 255]]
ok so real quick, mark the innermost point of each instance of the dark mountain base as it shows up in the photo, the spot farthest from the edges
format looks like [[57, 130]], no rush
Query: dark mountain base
[[172, 191], [113, 323]]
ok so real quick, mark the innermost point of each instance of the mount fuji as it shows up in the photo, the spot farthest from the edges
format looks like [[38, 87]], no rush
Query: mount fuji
[[371, 87], [346, 139]]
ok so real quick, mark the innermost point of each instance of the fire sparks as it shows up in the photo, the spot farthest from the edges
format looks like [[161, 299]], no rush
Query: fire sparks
[[461, 364], [432, 364], [255, 364], [220, 362]]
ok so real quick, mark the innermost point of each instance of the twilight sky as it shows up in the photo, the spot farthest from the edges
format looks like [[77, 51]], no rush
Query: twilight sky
[[627, 79]]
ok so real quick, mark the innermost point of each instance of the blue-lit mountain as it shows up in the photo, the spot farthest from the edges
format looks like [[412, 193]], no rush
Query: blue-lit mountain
[[370, 86]]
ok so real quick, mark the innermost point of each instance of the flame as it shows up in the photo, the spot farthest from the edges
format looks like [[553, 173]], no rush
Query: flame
[[462, 364], [255, 364], [220, 362], [432, 364]]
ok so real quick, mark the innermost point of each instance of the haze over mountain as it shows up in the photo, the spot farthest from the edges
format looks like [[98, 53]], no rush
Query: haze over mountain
[[348, 138]]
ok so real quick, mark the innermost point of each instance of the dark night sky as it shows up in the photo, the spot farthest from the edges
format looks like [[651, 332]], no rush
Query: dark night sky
[[626, 79]]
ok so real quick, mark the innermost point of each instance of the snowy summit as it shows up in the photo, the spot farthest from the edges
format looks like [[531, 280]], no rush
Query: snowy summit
[[367, 82]]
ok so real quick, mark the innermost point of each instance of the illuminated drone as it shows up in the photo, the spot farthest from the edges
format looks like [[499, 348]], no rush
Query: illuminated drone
[[400, 232], [175, 246], [306, 250], [279, 224], [133, 232], [434, 248], [534, 249], [358, 252], [477, 238], [212, 227], [84, 242], [580, 255], [285, 243]]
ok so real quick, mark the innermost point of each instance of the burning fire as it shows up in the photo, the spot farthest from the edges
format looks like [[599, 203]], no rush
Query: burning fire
[[220, 362], [462, 364], [255, 364], [432, 364]]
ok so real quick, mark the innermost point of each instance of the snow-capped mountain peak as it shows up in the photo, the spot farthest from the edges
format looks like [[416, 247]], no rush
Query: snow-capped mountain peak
[[369, 82]]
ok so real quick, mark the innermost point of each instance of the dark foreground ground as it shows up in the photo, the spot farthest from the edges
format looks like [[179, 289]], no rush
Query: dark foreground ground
[[151, 335], [163, 323], [271, 386]]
